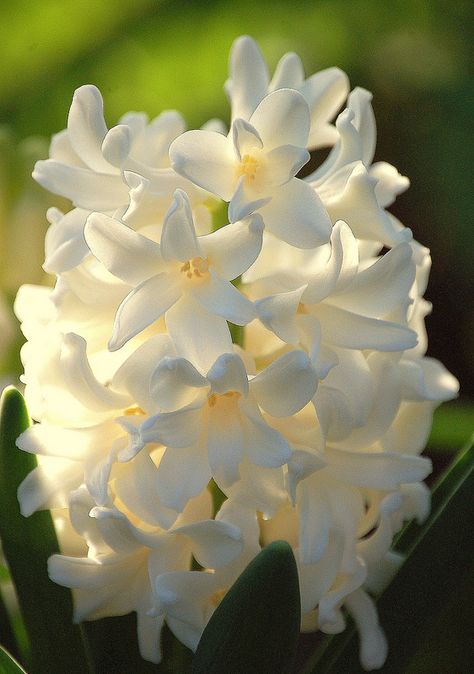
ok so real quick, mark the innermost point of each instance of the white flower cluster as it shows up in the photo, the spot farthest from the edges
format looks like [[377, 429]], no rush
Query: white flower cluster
[[151, 398]]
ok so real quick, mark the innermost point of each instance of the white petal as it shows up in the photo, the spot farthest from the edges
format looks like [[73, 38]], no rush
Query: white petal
[[349, 330], [390, 183], [225, 443], [61, 149], [228, 374], [303, 464], [135, 486], [364, 121], [278, 314], [232, 249], [263, 445], [325, 92], [427, 379], [381, 287], [245, 137], [70, 443], [178, 239], [152, 145], [87, 128], [185, 597], [248, 80], [214, 543], [116, 530], [207, 159], [81, 380], [142, 306], [289, 73], [65, 244], [85, 188], [411, 428], [358, 206], [354, 378], [49, 485], [198, 336], [316, 579], [125, 253], [282, 118], [343, 258], [174, 382], [245, 201], [334, 412], [315, 521], [220, 297], [376, 470], [258, 489], [117, 144], [373, 644], [386, 402], [182, 474], [79, 572], [133, 376], [348, 149], [285, 386], [148, 635], [283, 163], [296, 215], [179, 429]]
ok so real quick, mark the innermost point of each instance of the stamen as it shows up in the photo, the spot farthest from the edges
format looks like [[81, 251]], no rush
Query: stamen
[[214, 398], [248, 167], [197, 266], [302, 309], [134, 410]]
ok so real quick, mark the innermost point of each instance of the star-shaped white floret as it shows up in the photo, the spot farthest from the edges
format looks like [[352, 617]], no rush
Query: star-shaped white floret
[[210, 424], [249, 83], [254, 168], [185, 277]]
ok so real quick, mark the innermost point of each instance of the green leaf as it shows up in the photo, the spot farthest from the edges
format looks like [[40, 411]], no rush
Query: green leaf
[[8, 665], [55, 643], [7, 633], [440, 557], [452, 425], [219, 214], [256, 626]]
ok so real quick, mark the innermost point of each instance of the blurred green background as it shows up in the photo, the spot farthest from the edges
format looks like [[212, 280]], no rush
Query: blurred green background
[[160, 54]]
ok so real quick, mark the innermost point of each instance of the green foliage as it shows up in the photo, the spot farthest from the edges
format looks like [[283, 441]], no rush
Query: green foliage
[[453, 424], [55, 643], [255, 628], [8, 665]]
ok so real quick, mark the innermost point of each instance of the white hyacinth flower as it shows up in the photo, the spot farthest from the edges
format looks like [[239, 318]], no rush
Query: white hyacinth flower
[[254, 168], [181, 277], [279, 358]]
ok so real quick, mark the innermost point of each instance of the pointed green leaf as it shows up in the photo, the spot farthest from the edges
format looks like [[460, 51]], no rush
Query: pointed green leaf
[[55, 643], [440, 557], [256, 626], [7, 633], [8, 665]]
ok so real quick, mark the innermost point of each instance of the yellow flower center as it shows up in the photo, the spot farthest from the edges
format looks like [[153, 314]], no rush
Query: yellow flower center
[[134, 410], [302, 309], [214, 398], [197, 267], [248, 167]]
